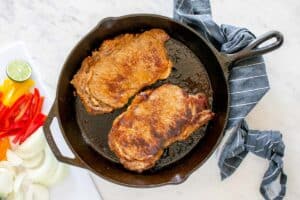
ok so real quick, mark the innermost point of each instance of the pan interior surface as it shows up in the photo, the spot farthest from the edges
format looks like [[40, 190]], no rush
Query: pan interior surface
[[188, 72]]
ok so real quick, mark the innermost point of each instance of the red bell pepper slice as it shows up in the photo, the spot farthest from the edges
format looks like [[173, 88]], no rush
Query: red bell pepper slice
[[37, 122], [8, 118], [24, 108], [3, 110], [37, 103], [16, 106], [23, 118], [11, 133]]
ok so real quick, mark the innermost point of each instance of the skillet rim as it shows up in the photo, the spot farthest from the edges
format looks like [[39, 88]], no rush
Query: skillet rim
[[221, 59]]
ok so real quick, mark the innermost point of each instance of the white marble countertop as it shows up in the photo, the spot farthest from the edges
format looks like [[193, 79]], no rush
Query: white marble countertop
[[51, 28]]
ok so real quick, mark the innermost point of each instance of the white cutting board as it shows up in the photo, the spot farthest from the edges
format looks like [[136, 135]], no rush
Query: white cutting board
[[78, 184]]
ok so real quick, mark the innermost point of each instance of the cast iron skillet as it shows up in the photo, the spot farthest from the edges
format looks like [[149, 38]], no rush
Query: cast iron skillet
[[198, 67]]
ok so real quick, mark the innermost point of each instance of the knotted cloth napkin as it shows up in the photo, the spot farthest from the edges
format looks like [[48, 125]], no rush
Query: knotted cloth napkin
[[248, 82]]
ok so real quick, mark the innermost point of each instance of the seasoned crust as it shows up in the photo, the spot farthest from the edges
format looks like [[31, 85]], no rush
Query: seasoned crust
[[156, 119], [120, 68]]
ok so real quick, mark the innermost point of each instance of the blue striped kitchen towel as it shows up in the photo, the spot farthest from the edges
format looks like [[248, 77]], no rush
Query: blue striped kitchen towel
[[248, 83]]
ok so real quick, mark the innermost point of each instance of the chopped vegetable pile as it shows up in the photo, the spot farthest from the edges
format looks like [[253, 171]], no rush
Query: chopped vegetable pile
[[22, 118], [27, 165]]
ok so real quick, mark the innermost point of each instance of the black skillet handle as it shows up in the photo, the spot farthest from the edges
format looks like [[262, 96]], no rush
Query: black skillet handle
[[49, 136], [253, 50]]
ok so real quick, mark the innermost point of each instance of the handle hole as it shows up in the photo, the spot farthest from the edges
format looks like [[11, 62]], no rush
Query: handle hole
[[267, 42], [59, 140]]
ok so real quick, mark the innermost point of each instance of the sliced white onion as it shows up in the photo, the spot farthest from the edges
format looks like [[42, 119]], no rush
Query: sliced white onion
[[32, 145], [28, 195], [13, 158], [19, 181], [6, 164], [46, 170], [37, 192], [34, 161], [16, 196], [6, 181], [60, 173]]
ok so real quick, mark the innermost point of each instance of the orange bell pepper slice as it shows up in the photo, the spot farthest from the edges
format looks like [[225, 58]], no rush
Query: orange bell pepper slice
[[4, 146]]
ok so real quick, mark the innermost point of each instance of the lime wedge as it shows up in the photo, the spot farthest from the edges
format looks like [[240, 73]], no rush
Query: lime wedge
[[18, 70]]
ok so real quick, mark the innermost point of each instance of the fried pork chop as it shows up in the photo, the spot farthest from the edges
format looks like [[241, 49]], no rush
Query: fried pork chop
[[120, 68], [156, 119]]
